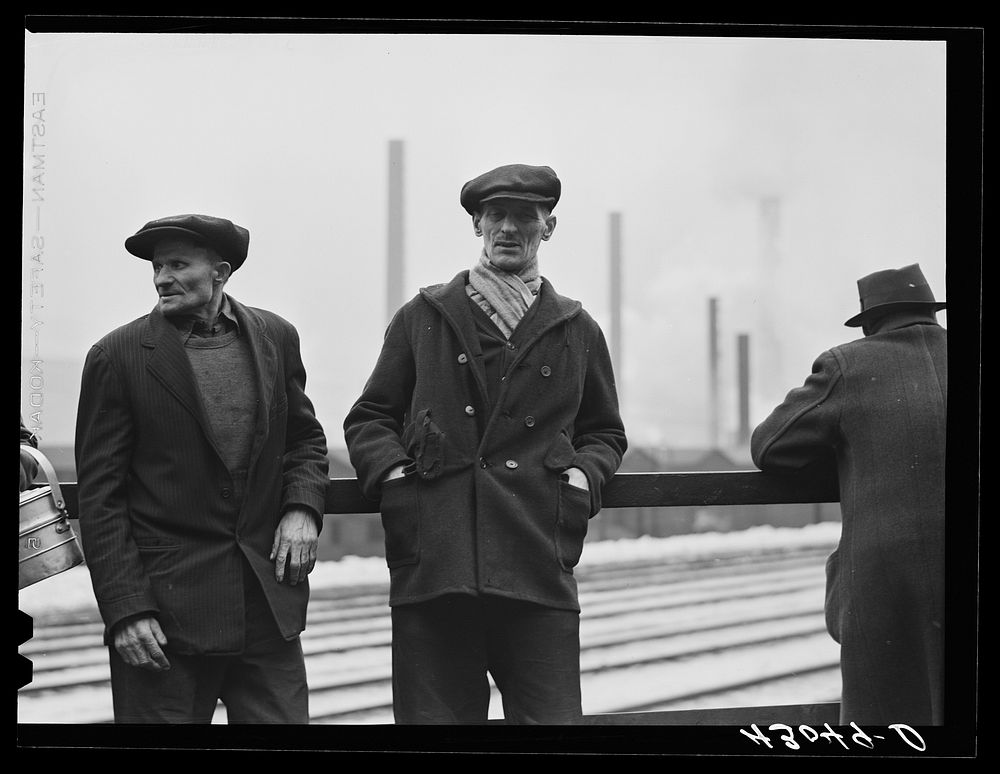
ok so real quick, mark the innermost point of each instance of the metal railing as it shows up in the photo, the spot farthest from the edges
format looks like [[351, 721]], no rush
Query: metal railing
[[637, 490]]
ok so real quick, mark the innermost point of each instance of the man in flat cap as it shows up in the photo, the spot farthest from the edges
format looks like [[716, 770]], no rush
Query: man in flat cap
[[202, 476], [876, 408], [487, 430]]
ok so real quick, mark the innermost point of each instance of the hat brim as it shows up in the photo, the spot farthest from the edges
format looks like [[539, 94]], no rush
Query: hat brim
[[522, 196], [858, 319], [141, 245]]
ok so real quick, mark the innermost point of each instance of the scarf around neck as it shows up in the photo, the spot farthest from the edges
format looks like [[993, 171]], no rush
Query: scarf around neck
[[504, 296]]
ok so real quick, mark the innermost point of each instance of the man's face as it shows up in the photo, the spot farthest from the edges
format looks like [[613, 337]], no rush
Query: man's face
[[185, 275], [512, 230]]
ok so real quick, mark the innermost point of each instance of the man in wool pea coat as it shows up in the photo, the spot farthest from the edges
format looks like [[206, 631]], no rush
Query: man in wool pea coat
[[487, 430], [202, 479], [877, 407]]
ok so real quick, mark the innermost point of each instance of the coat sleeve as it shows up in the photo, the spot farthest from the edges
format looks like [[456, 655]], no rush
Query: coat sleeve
[[374, 425], [804, 429], [305, 467], [598, 433], [103, 449]]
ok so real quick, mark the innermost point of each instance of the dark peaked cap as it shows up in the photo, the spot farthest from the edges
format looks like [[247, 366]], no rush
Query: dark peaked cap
[[225, 237], [883, 290], [514, 181]]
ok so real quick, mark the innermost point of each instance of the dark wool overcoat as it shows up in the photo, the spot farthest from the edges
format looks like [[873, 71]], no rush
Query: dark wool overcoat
[[161, 530], [485, 509], [878, 405]]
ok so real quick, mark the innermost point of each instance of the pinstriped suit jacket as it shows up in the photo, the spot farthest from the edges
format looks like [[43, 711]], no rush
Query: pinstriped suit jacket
[[160, 528]]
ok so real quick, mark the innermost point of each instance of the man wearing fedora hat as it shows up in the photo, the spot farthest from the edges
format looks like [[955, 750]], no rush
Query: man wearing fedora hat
[[202, 477], [487, 430], [877, 409]]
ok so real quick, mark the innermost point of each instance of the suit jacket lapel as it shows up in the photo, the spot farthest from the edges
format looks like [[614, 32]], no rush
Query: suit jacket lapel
[[265, 359], [169, 364]]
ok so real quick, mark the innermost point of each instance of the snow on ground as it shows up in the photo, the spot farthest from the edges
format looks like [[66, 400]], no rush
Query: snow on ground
[[71, 590]]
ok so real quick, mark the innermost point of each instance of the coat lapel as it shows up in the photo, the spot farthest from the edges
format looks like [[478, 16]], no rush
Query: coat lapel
[[453, 303], [553, 310], [265, 359], [169, 365]]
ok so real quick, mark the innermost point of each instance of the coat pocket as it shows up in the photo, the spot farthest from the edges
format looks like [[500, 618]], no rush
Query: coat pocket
[[428, 442], [572, 520], [561, 453], [400, 510]]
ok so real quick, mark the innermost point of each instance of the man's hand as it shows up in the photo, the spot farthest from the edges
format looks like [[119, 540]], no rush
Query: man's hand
[[294, 549], [576, 477], [139, 642]]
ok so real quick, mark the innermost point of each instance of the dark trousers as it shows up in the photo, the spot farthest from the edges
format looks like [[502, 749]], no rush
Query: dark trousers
[[265, 683], [443, 649]]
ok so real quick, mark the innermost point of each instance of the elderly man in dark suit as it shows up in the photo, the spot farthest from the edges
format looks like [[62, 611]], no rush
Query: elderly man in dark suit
[[487, 429], [878, 407], [202, 476]]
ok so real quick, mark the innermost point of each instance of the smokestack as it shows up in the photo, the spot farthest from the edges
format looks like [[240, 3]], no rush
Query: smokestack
[[743, 366], [768, 356], [713, 371], [615, 344], [394, 262]]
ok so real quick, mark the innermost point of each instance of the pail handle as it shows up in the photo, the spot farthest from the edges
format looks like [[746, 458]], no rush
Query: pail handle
[[50, 473]]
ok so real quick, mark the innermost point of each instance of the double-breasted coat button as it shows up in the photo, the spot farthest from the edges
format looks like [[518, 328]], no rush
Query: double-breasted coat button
[[226, 492], [529, 421], [483, 463], [511, 345], [511, 464], [463, 358], [470, 410], [546, 371]]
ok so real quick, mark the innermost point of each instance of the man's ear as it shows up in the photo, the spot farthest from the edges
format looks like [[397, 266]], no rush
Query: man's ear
[[223, 271], [476, 217], [550, 226]]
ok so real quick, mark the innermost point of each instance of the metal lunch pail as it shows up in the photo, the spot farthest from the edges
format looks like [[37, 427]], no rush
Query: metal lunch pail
[[46, 541]]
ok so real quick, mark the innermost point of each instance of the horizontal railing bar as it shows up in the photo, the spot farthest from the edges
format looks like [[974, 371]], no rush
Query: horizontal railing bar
[[633, 490]]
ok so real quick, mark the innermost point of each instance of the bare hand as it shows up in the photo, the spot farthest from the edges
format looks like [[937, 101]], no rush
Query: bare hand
[[576, 477], [294, 549], [139, 642]]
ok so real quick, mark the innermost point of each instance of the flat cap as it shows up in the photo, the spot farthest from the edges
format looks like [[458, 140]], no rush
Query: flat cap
[[225, 237], [514, 181]]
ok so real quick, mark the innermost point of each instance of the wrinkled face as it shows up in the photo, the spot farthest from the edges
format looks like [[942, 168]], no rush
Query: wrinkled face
[[512, 231], [186, 276]]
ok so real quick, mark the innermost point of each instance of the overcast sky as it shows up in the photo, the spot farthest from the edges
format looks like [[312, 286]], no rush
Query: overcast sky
[[685, 137]]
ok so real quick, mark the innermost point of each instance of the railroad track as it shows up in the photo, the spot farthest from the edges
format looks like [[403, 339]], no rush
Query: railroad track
[[728, 631]]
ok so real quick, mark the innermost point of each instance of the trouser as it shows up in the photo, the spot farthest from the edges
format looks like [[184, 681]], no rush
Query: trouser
[[443, 649], [265, 683]]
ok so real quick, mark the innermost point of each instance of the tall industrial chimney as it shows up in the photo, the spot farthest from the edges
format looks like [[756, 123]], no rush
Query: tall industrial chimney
[[768, 355], [615, 345], [743, 368], [713, 372], [394, 262]]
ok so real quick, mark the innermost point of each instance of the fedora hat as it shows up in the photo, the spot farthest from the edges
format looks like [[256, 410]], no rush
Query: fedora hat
[[890, 288]]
